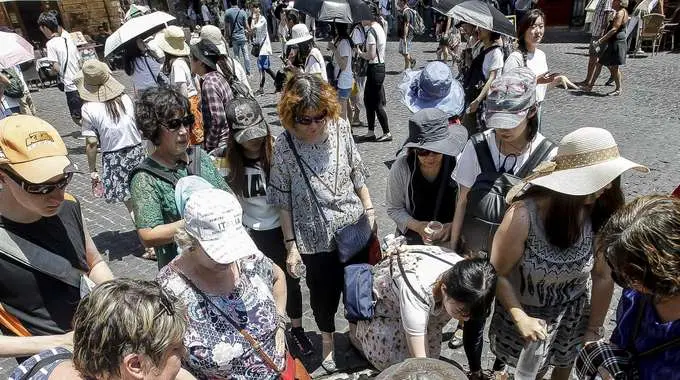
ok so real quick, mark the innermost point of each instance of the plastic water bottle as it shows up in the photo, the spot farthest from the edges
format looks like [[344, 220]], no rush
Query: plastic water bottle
[[530, 360]]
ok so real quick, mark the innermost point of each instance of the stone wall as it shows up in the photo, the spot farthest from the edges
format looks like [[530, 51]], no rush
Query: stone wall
[[87, 15]]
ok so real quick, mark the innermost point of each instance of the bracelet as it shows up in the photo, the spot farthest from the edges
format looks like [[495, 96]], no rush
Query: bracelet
[[368, 209], [290, 240]]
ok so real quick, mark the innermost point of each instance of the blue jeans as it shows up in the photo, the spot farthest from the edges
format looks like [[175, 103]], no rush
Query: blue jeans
[[240, 49]]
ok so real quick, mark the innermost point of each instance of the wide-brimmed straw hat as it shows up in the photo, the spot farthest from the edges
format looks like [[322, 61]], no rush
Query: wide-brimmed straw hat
[[432, 87], [299, 33], [213, 34], [95, 83], [172, 41], [422, 368], [587, 160], [429, 129]]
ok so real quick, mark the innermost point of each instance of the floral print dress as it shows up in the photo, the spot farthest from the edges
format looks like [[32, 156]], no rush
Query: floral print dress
[[216, 349]]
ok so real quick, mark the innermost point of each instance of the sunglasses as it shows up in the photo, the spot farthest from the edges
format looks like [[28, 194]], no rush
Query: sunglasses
[[175, 124], [424, 152], [39, 188], [308, 120]]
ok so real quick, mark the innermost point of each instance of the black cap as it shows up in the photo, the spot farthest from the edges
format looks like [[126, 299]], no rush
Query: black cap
[[206, 52]]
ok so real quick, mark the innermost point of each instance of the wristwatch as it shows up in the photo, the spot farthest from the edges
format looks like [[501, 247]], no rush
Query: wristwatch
[[281, 321]]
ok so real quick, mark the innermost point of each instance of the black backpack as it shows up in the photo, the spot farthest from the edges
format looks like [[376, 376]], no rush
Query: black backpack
[[486, 204], [15, 89], [193, 167], [474, 80]]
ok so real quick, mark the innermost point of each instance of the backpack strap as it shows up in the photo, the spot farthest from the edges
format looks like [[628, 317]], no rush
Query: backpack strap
[[375, 35], [536, 157], [442, 186], [46, 362], [483, 153], [193, 168]]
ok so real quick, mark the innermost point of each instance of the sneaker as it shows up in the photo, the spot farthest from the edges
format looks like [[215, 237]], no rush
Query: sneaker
[[386, 137], [303, 344]]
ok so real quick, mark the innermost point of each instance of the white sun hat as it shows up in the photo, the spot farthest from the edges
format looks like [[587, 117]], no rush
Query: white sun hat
[[587, 160], [299, 33]]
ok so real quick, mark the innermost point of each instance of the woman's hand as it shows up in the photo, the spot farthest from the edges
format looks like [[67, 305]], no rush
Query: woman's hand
[[532, 329], [293, 259], [444, 234], [474, 105]]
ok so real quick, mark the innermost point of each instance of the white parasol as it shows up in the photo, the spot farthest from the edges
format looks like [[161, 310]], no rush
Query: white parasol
[[135, 27], [15, 50]]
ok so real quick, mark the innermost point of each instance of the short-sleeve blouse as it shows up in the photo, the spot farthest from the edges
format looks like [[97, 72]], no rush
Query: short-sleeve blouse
[[215, 348], [335, 170]]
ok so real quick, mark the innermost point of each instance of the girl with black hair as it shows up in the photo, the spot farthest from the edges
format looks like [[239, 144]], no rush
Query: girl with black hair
[[141, 63], [342, 49], [417, 291]]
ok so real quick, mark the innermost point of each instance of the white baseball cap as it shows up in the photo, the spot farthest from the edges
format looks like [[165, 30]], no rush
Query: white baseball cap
[[213, 217]]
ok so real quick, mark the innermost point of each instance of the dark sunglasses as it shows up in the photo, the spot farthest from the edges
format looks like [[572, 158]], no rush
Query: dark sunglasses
[[175, 124], [424, 152], [307, 120], [39, 188]]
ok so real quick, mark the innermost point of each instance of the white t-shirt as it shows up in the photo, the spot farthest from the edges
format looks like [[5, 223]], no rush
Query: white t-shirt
[[142, 78], [536, 61], [467, 167], [57, 50], [346, 78], [315, 64], [262, 36], [257, 214], [414, 313], [380, 43], [493, 60], [358, 35], [181, 73], [112, 136]]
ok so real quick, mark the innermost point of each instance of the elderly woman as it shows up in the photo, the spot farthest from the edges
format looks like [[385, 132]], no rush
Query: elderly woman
[[163, 116], [317, 182], [222, 274], [550, 285], [641, 244], [417, 292], [124, 329], [420, 189]]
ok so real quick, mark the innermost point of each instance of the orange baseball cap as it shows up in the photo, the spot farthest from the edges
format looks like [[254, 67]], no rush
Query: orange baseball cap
[[32, 148]]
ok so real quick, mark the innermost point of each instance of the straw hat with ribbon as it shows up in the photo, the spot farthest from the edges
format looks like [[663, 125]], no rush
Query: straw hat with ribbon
[[173, 41], [95, 83], [587, 160]]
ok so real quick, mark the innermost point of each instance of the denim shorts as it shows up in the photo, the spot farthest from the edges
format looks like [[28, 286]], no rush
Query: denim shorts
[[344, 93], [263, 62]]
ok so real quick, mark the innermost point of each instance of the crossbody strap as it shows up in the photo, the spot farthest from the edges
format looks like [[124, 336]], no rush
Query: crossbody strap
[[45, 362], [483, 152], [406, 280], [38, 258], [254, 343], [536, 157], [289, 138], [155, 79], [641, 305], [375, 35], [66, 65]]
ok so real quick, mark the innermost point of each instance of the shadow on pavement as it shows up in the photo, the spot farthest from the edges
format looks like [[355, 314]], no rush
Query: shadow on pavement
[[118, 244]]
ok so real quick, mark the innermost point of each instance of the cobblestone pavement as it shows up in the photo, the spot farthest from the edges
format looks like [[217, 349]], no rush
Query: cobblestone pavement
[[645, 121]]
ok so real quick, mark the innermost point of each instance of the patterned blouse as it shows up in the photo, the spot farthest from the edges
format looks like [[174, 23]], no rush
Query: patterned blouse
[[216, 349], [335, 171], [154, 200]]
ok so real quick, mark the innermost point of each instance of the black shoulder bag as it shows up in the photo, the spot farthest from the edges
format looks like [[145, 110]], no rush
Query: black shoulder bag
[[350, 239], [60, 84]]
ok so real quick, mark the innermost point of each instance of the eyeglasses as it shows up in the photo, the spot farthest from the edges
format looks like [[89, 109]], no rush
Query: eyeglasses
[[175, 124], [39, 188], [308, 120], [166, 304], [424, 152]]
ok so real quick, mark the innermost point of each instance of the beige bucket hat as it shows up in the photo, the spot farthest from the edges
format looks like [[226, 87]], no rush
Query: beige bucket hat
[[172, 41], [95, 83], [213, 34], [587, 160]]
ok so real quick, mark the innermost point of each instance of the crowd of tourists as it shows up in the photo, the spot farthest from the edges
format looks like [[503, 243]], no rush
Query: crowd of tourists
[[495, 222]]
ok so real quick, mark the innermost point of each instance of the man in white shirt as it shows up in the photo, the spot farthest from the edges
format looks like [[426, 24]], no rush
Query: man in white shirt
[[65, 59]]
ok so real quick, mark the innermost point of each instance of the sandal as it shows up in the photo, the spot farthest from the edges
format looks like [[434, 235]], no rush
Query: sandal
[[149, 254], [615, 93]]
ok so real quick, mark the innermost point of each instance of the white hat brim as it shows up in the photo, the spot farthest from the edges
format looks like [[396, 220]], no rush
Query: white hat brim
[[296, 41], [230, 248], [587, 180]]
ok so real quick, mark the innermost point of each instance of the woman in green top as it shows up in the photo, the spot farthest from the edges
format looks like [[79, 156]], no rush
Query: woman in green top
[[164, 117]]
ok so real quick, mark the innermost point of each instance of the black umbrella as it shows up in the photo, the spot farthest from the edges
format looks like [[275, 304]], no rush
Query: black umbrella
[[344, 11], [483, 15], [443, 6]]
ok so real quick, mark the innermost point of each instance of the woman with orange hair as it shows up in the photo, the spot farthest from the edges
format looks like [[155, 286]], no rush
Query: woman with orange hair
[[317, 181]]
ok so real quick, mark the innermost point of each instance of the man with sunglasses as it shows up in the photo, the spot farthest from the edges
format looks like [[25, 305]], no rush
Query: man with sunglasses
[[37, 308]]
